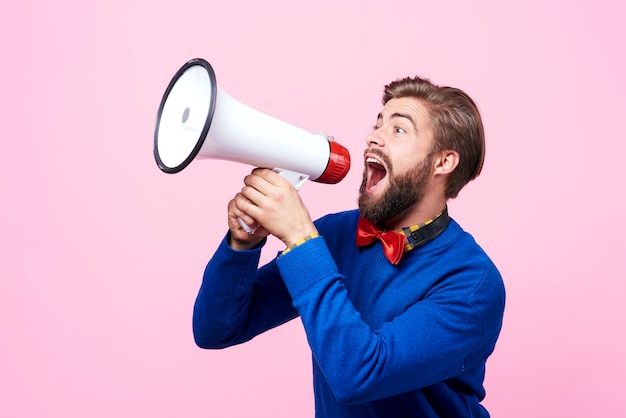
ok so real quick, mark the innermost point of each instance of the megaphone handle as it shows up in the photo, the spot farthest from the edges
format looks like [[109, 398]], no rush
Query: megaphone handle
[[296, 179], [246, 227]]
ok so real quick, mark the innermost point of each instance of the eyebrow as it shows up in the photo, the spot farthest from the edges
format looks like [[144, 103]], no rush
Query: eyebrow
[[400, 115]]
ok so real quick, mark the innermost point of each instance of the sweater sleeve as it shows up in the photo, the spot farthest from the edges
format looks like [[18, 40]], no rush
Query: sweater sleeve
[[429, 342], [237, 301]]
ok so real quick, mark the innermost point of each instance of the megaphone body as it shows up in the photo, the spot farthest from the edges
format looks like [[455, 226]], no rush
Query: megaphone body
[[197, 120]]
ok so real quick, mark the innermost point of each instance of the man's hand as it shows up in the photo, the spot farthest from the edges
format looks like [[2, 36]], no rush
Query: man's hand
[[271, 202], [239, 238]]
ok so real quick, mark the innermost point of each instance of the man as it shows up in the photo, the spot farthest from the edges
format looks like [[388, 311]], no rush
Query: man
[[393, 334]]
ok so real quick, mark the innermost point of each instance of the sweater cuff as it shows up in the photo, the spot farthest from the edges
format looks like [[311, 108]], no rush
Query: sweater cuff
[[306, 265], [229, 259], [225, 245]]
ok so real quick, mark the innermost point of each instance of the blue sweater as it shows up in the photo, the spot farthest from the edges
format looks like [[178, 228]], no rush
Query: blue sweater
[[409, 340]]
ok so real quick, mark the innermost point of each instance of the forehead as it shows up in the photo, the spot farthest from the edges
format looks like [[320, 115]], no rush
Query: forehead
[[409, 107]]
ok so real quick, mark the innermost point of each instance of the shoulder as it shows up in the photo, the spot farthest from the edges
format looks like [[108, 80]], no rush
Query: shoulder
[[483, 278], [465, 266], [462, 242], [468, 274]]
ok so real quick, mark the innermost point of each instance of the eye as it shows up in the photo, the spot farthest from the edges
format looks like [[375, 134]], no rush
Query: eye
[[375, 127], [399, 130]]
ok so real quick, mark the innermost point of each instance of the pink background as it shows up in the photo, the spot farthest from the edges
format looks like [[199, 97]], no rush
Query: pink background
[[101, 254]]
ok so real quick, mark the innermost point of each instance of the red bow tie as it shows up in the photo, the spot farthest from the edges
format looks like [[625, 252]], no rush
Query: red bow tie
[[393, 242]]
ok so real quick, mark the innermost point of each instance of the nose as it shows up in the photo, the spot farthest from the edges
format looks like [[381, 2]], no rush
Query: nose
[[375, 137]]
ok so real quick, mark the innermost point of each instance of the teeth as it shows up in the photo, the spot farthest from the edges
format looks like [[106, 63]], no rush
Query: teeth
[[372, 160]]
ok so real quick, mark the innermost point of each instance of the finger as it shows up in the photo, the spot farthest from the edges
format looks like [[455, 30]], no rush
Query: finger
[[254, 196], [263, 172], [271, 177], [259, 182], [243, 231], [242, 208]]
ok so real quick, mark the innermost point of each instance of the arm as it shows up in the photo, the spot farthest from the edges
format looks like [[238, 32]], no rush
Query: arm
[[433, 340], [235, 301]]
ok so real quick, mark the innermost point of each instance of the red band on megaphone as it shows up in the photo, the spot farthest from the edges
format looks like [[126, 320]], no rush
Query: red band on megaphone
[[338, 164]]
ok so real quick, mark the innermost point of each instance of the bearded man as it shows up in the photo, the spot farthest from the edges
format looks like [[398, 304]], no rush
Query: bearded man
[[401, 307]]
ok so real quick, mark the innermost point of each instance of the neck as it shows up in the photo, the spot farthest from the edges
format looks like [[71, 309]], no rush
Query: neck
[[421, 212]]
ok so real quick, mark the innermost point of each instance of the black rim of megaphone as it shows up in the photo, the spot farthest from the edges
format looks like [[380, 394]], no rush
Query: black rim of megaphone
[[207, 123]]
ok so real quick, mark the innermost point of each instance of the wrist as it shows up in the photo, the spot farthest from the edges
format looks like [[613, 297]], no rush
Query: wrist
[[300, 242], [298, 235], [242, 245]]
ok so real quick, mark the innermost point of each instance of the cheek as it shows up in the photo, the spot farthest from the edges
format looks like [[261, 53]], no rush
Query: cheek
[[406, 158], [401, 161]]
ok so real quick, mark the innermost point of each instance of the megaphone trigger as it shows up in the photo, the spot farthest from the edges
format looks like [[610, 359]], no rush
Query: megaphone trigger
[[297, 180]]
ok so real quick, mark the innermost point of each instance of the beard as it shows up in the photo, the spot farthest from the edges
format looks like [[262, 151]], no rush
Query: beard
[[404, 191]]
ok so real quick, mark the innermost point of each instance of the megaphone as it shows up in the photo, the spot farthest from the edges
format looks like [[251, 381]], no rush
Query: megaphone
[[197, 120]]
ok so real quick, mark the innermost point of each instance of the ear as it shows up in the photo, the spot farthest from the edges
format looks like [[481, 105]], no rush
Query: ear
[[445, 162]]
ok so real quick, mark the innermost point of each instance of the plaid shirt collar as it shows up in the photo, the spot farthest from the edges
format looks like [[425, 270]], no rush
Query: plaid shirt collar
[[418, 235]]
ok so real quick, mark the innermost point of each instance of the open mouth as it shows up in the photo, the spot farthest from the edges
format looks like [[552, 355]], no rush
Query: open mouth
[[376, 172]]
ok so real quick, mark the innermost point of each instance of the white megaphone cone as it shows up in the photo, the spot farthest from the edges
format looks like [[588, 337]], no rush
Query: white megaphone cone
[[198, 120]]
